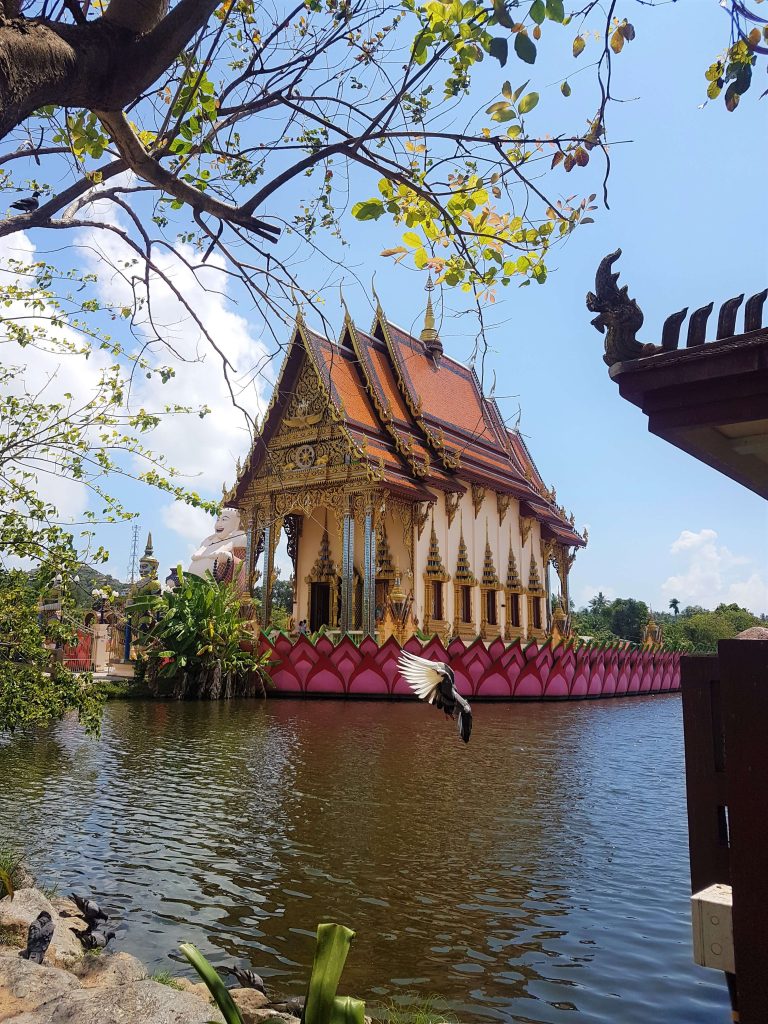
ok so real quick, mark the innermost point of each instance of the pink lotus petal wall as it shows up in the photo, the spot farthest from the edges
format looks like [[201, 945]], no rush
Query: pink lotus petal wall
[[497, 672]]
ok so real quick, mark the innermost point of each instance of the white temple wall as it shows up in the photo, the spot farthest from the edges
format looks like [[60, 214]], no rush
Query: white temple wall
[[309, 549]]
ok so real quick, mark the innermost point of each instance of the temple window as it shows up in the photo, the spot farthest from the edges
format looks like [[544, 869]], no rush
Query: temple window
[[536, 605], [466, 604], [435, 578], [490, 607], [513, 604]]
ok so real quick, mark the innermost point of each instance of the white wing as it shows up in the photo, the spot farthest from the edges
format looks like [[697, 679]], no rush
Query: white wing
[[422, 675]]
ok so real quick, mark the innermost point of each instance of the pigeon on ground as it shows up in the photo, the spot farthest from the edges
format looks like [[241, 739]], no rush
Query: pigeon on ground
[[89, 910], [294, 1007], [27, 205], [38, 938], [434, 682], [246, 979], [95, 938]]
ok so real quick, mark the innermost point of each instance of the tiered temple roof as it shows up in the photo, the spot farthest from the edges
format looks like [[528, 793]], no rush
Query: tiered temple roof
[[417, 417]]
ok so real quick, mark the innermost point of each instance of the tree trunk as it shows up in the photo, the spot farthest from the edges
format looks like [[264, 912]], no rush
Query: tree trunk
[[100, 65]]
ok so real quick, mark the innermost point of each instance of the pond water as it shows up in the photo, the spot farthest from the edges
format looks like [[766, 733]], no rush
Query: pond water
[[538, 874]]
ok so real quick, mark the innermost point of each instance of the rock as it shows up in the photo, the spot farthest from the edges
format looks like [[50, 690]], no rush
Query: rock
[[24, 986], [195, 988], [144, 1002], [110, 969], [65, 948], [257, 1016], [249, 1000]]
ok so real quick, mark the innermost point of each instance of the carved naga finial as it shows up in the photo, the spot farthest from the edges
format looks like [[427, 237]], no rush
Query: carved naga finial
[[619, 317]]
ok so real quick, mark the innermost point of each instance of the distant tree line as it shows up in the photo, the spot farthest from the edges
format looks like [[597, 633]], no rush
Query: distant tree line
[[690, 629]]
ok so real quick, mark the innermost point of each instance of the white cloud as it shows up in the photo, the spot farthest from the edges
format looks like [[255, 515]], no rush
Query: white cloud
[[712, 574], [48, 376], [191, 525], [205, 450]]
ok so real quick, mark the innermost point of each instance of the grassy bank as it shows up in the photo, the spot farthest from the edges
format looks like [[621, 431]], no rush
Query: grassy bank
[[123, 689]]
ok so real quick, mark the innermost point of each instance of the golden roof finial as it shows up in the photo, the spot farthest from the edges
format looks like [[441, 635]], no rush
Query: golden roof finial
[[429, 334]]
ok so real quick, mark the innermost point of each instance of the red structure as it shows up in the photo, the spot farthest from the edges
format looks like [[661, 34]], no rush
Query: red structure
[[497, 672]]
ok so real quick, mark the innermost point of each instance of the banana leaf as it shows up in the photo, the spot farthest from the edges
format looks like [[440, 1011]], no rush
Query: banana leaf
[[323, 1006]]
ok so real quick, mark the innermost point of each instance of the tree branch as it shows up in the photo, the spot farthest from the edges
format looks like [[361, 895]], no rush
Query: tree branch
[[137, 158]]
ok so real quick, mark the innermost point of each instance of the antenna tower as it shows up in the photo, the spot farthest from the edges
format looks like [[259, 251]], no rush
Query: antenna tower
[[134, 557]]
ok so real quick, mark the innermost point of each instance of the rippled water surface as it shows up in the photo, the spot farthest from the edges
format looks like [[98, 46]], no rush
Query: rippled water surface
[[537, 875]]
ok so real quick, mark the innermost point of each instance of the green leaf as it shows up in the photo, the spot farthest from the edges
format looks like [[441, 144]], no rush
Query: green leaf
[[519, 91], [501, 14], [565, 89], [216, 986], [528, 102], [347, 1010], [513, 131], [506, 91], [499, 48], [578, 45], [370, 209], [5, 878], [538, 12], [732, 97], [525, 48], [556, 10], [412, 239], [333, 942]]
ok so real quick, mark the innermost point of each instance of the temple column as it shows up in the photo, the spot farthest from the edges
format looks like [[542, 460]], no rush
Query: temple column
[[271, 532], [347, 570], [253, 548], [369, 574]]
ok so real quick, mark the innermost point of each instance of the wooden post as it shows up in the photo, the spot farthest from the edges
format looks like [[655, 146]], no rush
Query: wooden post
[[725, 716], [744, 682]]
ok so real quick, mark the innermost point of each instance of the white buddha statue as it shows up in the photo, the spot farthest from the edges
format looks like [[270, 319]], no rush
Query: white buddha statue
[[223, 552]]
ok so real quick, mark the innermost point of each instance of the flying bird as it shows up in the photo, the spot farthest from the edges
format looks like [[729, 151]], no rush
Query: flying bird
[[246, 979], [94, 938], [39, 938], [433, 681], [89, 910], [28, 205]]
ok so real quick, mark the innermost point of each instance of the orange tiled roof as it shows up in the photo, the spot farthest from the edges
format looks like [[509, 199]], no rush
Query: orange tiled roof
[[414, 416]]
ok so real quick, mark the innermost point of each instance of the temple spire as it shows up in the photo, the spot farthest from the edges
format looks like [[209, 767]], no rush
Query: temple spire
[[429, 335]]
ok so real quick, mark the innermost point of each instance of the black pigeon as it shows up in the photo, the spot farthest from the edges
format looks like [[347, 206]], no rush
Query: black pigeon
[[434, 682], [28, 205], [38, 938], [95, 938], [294, 1007], [90, 911], [247, 979]]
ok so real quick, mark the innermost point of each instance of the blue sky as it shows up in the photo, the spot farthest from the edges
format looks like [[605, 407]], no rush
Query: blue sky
[[686, 196]]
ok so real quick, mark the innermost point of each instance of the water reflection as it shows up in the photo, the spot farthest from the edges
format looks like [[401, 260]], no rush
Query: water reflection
[[538, 874]]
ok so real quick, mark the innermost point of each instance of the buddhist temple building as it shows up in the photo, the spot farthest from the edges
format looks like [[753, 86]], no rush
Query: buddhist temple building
[[403, 495]]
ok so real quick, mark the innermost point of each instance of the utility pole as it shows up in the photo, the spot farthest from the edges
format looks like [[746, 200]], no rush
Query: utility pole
[[133, 560]]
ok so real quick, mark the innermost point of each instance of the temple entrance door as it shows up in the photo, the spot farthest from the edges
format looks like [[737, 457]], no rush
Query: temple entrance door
[[320, 606]]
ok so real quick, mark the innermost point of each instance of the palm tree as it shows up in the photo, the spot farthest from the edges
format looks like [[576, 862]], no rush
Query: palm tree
[[599, 603], [674, 604]]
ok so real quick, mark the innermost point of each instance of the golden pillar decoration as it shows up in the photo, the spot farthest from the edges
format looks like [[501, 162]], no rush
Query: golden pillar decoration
[[478, 497], [452, 501], [526, 524], [502, 505]]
